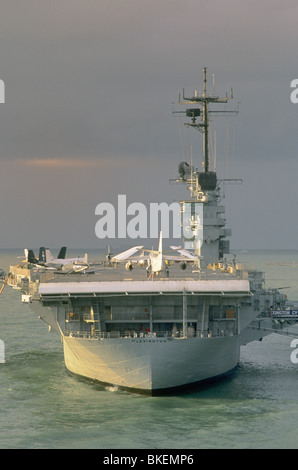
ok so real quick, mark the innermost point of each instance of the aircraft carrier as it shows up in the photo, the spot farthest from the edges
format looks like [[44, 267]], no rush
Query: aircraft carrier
[[129, 324]]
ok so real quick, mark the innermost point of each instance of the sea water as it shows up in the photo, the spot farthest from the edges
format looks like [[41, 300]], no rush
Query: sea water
[[43, 407]]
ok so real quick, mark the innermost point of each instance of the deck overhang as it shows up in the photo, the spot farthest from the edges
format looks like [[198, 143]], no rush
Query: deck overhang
[[233, 288]]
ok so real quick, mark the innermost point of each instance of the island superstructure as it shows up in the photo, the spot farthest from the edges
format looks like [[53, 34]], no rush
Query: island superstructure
[[154, 331]]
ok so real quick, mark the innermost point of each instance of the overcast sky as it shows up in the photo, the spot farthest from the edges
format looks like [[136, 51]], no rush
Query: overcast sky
[[89, 87]]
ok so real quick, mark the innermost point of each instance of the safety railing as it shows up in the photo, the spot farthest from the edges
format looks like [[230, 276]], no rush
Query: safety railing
[[148, 335]]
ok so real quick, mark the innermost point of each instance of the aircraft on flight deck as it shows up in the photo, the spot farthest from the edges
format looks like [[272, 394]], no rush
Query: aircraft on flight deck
[[155, 259], [47, 260]]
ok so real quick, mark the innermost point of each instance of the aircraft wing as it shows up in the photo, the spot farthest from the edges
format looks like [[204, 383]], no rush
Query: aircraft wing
[[183, 252], [126, 254], [73, 268], [47, 268], [178, 258]]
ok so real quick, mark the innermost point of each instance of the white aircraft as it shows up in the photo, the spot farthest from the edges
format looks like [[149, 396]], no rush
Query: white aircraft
[[31, 258], [73, 268], [155, 258], [51, 261], [47, 260]]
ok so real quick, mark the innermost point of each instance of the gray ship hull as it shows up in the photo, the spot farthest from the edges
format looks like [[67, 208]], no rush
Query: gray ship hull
[[151, 365]]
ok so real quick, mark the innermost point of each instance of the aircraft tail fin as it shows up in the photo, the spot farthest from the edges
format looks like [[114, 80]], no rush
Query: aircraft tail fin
[[156, 259], [30, 256], [48, 255], [62, 253], [160, 243], [42, 254]]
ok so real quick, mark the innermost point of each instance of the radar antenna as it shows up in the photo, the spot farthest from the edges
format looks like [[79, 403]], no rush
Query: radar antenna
[[204, 100]]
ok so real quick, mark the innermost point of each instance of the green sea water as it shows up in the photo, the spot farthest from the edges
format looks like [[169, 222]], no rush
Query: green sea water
[[43, 407]]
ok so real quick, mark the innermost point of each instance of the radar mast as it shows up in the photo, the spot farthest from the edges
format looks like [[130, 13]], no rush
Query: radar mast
[[206, 180], [203, 224]]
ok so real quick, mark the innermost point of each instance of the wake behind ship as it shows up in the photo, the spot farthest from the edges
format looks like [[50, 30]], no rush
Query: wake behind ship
[[151, 322]]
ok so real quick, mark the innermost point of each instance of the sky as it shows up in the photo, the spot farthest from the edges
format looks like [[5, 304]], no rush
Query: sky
[[89, 88]]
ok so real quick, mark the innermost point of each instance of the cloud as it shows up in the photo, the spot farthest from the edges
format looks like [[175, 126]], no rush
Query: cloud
[[102, 163], [89, 87], [60, 163]]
